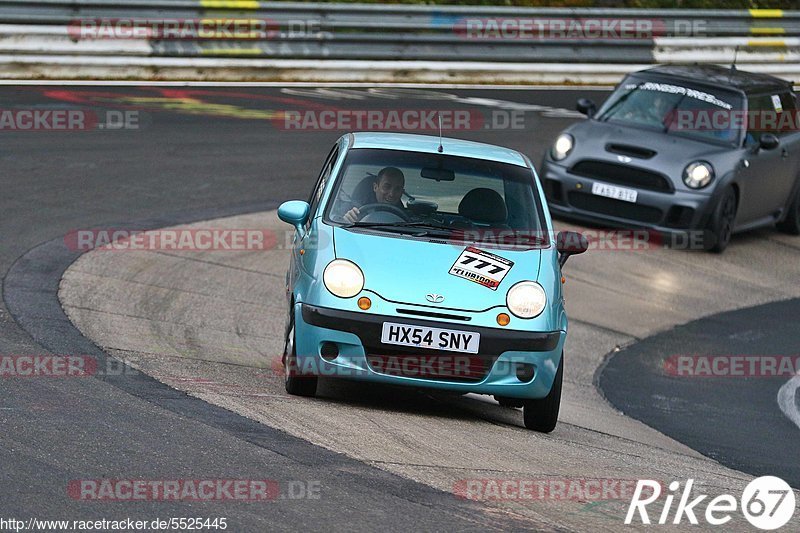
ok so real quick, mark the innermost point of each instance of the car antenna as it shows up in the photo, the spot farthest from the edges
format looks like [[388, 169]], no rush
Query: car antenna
[[733, 65], [441, 148]]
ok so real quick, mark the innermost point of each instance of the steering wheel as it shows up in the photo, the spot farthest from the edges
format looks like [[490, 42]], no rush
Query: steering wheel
[[366, 209]]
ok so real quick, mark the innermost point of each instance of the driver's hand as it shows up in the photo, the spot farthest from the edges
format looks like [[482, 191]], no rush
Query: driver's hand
[[352, 216]]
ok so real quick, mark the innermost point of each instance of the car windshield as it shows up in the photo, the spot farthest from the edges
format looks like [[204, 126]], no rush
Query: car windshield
[[676, 109], [438, 196]]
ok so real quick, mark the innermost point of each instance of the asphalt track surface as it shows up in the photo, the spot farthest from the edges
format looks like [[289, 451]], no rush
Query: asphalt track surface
[[203, 160], [200, 155], [634, 380]]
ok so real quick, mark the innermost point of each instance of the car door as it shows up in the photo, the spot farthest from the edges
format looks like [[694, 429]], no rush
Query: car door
[[766, 175], [789, 135]]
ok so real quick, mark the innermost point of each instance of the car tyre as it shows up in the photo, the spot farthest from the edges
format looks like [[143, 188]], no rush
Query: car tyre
[[791, 224], [722, 221], [542, 414], [296, 384]]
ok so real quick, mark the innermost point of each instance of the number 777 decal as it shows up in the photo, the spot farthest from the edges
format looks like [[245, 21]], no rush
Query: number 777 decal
[[481, 267]]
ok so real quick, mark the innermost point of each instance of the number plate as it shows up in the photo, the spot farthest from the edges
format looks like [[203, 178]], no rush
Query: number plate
[[432, 338], [617, 193]]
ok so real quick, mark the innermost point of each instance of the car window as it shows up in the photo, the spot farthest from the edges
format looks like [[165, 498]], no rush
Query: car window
[[788, 100], [322, 180], [784, 105], [448, 194], [767, 113], [443, 190]]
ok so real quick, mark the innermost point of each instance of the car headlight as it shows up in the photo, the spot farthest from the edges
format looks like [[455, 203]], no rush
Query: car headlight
[[698, 174], [343, 278], [526, 299], [562, 147]]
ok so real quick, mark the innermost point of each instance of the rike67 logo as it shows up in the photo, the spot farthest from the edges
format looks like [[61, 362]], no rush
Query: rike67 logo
[[767, 502]]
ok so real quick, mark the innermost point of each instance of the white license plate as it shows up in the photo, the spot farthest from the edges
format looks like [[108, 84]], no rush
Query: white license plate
[[617, 193], [434, 338]]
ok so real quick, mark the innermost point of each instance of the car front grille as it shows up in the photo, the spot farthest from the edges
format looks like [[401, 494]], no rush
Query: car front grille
[[615, 208], [458, 367], [553, 191], [629, 176]]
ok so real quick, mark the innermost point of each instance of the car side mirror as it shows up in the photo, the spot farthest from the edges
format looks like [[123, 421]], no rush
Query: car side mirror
[[569, 243], [768, 141], [586, 107], [294, 212]]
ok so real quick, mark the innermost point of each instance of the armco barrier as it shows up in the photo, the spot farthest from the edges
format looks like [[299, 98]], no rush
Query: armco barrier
[[374, 42]]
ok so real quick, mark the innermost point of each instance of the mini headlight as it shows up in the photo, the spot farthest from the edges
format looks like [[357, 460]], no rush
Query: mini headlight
[[562, 147], [526, 299], [343, 278], [698, 174]]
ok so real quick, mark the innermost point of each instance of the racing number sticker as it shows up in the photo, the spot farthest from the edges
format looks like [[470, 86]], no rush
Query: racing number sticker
[[481, 267]]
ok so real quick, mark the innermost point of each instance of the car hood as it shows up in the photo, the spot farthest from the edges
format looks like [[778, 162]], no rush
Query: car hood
[[671, 153], [405, 270]]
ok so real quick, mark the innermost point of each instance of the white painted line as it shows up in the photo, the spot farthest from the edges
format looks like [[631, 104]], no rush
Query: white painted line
[[728, 42], [327, 64], [483, 398], [787, 399]]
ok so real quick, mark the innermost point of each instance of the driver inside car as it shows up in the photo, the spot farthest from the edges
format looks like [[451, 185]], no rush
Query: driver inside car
[[387, 188]]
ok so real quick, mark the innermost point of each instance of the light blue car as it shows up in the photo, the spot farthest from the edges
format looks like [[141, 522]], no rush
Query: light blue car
[[428, 262]]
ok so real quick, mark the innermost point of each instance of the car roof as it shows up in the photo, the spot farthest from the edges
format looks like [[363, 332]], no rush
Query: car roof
[[747, 82], [430, 144]]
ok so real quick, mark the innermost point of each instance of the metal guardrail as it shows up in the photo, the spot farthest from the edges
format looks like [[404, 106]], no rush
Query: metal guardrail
[[408, 33]]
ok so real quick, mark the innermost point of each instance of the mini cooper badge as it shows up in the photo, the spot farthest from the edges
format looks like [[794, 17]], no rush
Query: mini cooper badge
[[434, 298]]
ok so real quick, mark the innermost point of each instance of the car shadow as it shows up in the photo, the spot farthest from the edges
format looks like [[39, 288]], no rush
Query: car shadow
[[419, 401]]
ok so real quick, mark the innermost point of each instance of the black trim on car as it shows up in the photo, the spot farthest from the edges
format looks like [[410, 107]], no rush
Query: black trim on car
[[368, 327]]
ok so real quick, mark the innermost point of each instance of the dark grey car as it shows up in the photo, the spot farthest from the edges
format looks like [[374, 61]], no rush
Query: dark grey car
[[683, 150]]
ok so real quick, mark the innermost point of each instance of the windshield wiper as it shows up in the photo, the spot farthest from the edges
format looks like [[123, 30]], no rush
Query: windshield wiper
[[455, 234], [425, 227], [607, 114], [666, 124], [526, 238]]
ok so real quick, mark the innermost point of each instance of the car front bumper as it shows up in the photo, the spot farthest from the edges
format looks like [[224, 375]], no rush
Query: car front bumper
[[361, 355], [675, 213]]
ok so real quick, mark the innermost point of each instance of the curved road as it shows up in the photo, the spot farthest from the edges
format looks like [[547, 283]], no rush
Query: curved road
[[202, 153], [741, 426]]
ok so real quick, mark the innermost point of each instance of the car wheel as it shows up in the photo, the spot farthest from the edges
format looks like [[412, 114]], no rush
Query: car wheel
[[296, 384], [722, 221], [542, 414], [791, 224]]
